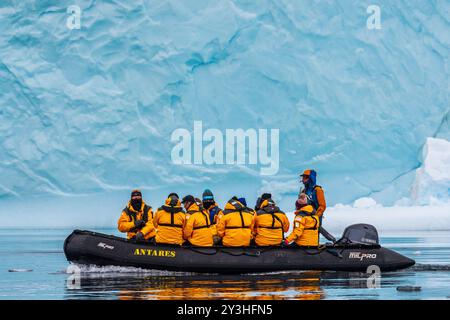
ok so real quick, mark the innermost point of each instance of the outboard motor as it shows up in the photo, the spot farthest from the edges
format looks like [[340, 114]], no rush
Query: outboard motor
[[360, 234]]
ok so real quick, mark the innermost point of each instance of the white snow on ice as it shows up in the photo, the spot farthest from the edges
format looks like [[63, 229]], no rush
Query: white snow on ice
[[396, 218], [432, 182]]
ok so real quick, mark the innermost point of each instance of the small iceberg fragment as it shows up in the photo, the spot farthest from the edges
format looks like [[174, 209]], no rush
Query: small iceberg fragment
[[20, 270], [409, 289]]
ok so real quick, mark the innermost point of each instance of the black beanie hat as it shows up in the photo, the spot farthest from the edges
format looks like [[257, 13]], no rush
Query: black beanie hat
[[208, 195], [136, 193], [266, 196]]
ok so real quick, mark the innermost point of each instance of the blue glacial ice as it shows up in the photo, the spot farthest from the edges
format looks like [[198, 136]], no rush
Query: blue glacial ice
[[91, 111]]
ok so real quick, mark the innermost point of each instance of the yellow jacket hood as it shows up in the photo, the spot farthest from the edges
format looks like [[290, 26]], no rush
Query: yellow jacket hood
[[306, 210], [234, 205], [172, 205], [194, 208], [268, 206]]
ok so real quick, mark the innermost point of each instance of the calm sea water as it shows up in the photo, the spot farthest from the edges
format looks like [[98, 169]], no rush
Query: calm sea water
[[33, 266]]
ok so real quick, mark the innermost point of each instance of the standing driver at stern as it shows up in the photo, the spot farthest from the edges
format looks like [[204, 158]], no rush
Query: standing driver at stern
[[315, 194], [137, 219]]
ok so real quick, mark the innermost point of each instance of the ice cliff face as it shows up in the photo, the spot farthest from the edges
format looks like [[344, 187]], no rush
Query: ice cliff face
[[92, 109], [432, 182]]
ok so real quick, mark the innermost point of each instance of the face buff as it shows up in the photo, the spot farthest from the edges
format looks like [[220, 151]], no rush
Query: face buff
[[136, 204], [207, 204]]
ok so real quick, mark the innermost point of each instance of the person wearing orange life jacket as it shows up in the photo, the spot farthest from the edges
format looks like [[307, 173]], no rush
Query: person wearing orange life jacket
[[235, 227], [197, 231], [270, 224], [306, 225], [137, 219], [169, 221]]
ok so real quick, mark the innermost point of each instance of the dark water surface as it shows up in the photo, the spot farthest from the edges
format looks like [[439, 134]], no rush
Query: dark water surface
[[33, 266]]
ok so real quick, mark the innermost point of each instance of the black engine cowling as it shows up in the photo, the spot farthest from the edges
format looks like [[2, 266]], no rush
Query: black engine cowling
[[360, 234]]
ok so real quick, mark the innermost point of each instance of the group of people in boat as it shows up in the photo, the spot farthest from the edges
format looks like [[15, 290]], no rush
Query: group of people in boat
[[201, 222]]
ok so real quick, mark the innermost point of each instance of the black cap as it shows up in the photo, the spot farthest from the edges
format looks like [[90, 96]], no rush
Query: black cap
[[188, 198], [173, 194], [136, 193]]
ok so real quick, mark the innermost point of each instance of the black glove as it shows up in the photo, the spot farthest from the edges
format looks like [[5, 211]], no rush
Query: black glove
[[139, 224], [140, 237], [217, 240]]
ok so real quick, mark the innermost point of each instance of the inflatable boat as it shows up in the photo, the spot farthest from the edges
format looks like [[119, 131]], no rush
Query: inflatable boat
[[355, 251]]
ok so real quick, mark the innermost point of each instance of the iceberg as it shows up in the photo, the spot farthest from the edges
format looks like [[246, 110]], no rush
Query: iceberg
[[90, 111]]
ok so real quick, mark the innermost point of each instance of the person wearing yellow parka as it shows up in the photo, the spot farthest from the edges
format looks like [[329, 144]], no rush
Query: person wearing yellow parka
[[169, 221], [235, 227], [137, 219], [270, 224], [306, 225], [197, 230]]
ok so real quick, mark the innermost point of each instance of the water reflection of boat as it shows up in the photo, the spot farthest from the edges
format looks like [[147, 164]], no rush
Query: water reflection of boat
[[85, 247], [133, 284], [303, 285]]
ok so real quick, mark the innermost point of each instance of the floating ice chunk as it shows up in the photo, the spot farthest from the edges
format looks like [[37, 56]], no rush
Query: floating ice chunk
[[20, 270], [408, 288]]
